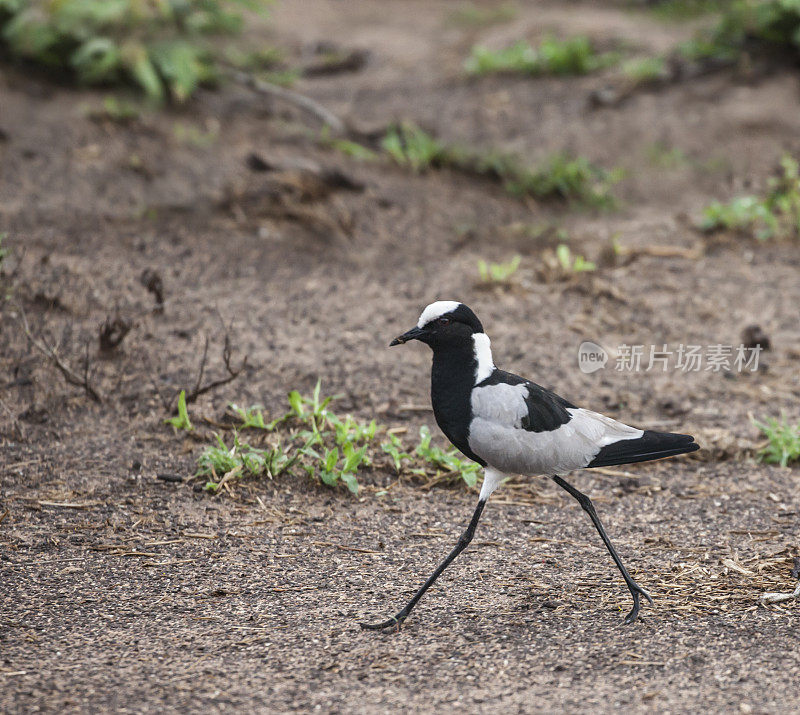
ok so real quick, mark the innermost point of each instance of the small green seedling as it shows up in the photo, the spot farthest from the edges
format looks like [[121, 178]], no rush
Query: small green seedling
[[449, 461], [776, 214], [182, 421], [410, 146], [394, 448], [784, 440], [498, 273], [252, 417], [570, 264], [241, 460]]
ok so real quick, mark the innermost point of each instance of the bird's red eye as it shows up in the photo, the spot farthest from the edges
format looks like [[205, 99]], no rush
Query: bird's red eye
[[443, 321]]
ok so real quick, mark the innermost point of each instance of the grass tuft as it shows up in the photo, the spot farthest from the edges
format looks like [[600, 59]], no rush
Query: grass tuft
[[777, 214], [571, 56], [560, 177], [784, 440]]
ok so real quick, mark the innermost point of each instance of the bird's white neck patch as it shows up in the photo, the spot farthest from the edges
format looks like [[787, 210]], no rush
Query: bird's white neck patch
[[483, 356], [436, 310]]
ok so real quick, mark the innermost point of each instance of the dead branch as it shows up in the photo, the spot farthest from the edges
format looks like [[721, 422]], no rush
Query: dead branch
[[51, 353], [307, 104], [232, 373]]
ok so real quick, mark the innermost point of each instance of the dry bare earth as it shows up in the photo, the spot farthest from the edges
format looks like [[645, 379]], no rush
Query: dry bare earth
[[121, 591]]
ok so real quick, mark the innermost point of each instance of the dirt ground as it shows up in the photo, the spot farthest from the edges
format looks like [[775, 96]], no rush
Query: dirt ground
[[122, 591]]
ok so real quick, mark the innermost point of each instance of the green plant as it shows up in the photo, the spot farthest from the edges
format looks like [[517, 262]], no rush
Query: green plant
[[567, 178], [560, 176], [744, 213], [394, 448], [252, 417], [327, 447], [181, 421], [410, 146], [241, 460], [748, 25], [349, 148], [498, 272], [783, 440], [776, 214], [449, 461], [570, 264], [572, 56], [645, 69], [312, 439], [162, 47]]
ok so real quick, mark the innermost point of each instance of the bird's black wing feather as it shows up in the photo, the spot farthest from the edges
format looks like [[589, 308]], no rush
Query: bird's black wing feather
[[651, 445], [546, 410]]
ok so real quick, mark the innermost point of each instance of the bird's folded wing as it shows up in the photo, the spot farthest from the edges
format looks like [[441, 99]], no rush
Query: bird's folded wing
[[523, 428]]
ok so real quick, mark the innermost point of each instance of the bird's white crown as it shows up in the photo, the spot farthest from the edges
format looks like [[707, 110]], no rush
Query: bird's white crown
[[436, 310]]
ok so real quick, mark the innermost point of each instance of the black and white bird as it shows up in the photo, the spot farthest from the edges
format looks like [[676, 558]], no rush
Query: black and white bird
[[510, 425]]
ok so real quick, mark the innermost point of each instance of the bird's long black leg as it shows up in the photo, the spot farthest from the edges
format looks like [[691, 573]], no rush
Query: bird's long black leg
[[635, 589], [462, 544]]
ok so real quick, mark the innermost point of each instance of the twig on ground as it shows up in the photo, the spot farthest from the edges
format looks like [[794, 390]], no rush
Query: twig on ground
[[233, 373], [771, 597], [51, 353], [299, 100]]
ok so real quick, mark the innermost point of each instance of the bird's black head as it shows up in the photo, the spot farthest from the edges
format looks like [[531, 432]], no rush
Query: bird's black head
[[443, 323]]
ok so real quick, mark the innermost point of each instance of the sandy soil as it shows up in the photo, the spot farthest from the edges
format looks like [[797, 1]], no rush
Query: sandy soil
[[121, 591]]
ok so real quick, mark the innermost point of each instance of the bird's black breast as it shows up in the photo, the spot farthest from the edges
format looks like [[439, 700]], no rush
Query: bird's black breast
[[452, 380]]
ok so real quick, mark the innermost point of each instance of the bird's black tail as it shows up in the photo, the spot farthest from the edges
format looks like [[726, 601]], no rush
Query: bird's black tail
[[651, 445]]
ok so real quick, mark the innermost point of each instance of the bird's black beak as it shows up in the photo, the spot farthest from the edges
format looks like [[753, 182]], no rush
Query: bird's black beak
[[413, 334]]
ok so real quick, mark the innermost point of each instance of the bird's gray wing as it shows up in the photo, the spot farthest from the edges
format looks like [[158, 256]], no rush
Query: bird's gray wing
[[519, 427]]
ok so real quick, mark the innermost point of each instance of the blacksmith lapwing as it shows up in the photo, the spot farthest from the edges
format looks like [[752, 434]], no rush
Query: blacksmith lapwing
[[511, 425]]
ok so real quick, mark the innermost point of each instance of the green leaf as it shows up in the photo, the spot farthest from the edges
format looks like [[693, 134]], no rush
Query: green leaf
[[331, 458], [182, 421], [96, 60], [350, 480], [136, 59], [296, 403], [182, 67], [329, 478]]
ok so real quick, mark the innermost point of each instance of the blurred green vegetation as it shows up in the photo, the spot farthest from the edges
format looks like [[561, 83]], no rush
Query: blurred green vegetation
[[749, 24], [165, 48], [561, 176], [777, 214], [570, 56]]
